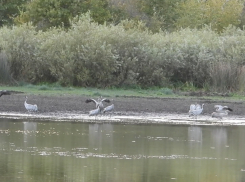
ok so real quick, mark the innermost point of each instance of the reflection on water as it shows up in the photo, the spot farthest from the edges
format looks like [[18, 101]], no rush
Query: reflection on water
[[29, 133], [195, 134], [65, 151], [219, 137]]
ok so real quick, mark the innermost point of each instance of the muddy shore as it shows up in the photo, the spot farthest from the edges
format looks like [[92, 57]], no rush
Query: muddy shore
[[124, 106]]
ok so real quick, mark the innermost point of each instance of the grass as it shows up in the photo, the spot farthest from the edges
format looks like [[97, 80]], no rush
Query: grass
[[56, 89], [46, 89]]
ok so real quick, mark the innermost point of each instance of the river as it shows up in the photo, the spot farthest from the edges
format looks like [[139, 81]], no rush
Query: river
[[32, 150]]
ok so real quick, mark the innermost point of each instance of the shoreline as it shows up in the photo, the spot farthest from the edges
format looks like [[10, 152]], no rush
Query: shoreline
[[133, 118], [127, 109]]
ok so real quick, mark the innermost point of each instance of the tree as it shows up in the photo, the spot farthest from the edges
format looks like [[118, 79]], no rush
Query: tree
[[8, 10], [48, 13], [217, 13], [161, 13]]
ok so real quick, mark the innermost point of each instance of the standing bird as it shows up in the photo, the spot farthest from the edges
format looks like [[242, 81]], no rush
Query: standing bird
[[98, 103], [221, 111], [219, 115], [4, 92], [94, 112], [30, 107], [109, 108], [195, 109]]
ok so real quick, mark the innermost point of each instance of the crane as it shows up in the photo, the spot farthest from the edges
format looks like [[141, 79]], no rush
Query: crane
[[94, 112], [220, 108], [30, 107], [219, 115], [99, 102], [195, 109], [221, 111], [109, 108]]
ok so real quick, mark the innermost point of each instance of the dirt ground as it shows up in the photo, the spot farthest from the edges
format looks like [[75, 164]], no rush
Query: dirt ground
[[123, 105]]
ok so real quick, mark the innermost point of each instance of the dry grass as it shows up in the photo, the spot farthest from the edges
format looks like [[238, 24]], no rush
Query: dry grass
[[5, 75], [227, 76]]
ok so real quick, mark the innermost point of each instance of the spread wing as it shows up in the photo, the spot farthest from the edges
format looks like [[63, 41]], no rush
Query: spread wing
[[105, 100], [218, 107], [91, 100], [198, 106], [222, 108], [227, 108], [192, 107], [4, 92]]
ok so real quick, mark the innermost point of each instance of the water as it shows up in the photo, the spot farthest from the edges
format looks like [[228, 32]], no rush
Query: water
[[74, 152]]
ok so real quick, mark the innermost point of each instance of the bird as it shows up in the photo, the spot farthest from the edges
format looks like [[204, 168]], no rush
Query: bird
[[94, 112], [221, 111], [98, 103], [109, 108], [219, 115], [195, 109], [220, 108], [30, 107], [4, 92]]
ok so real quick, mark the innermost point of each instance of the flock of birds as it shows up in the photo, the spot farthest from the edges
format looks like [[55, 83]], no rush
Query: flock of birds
[[98, 104], [195, 109], [220, 111]]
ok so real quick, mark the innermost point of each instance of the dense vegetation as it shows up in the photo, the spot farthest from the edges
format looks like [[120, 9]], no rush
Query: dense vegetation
[[148, 49]]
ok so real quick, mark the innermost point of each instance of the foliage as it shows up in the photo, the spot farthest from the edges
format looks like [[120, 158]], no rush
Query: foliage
[[94, 55], [217, 13], [46, 13], [157, 15], [161, 13], [9, 9]]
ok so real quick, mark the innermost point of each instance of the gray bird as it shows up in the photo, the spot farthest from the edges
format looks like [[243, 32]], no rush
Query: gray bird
[[219, 115], [30, 107], [221, 111], [195, 109], [220, 108], [94, 112], [99, 102], [109, 108]]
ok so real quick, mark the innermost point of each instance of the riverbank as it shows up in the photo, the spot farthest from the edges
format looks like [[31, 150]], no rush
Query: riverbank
[[133, 109]]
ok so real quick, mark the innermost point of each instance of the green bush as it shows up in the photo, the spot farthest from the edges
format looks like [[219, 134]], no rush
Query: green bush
[[93, 55]]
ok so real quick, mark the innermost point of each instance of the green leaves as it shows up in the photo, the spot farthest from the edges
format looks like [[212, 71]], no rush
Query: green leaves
[[57, 13], [94, 55], [219, 14], [9, 9]]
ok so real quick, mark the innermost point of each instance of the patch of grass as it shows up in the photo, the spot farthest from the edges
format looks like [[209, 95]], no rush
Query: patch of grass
[[96, 94], [30, 86], [93, 92], [22, 83], [167, 91], [43, 87]]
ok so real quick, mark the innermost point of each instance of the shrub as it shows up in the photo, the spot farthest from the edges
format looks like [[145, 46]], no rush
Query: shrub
[[93, 55]]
